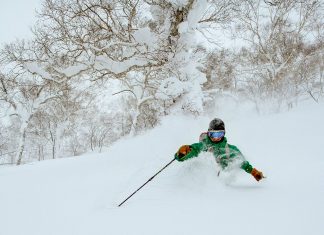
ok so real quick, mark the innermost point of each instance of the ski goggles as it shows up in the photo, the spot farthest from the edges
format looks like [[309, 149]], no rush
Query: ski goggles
[[216, 134]]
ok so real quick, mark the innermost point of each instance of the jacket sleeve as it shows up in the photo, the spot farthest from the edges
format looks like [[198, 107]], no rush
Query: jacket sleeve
[[246, 166], [196, 148]]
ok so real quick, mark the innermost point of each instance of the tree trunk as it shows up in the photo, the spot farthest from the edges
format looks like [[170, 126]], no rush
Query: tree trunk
[[21, 146], [53, 149], [53, 139], [134, 123]]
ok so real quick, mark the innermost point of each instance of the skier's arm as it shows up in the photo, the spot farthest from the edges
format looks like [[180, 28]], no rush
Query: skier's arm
[[247, 167]]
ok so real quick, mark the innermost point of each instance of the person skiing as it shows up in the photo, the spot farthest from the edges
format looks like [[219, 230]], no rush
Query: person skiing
[[215, 141]]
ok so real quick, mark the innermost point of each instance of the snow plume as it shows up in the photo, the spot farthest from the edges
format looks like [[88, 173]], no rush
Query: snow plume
[[229, 175], [207, 164]]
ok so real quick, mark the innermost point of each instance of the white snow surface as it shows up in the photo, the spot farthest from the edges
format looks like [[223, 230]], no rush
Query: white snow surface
[[80, 195]]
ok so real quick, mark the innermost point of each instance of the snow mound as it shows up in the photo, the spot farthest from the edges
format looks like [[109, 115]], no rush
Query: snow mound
[[80, 195]]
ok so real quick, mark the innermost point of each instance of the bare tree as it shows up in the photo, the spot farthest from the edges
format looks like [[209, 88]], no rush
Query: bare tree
[[276, 33], [23, 91], [113, 39]]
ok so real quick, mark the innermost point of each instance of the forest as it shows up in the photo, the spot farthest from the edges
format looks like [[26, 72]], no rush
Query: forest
[[98, 70]]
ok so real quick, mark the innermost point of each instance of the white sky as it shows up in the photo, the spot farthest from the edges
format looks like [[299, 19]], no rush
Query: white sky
[[16, 18]]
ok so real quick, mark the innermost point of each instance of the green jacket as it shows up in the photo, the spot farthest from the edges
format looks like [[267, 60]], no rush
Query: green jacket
[[224, 153]]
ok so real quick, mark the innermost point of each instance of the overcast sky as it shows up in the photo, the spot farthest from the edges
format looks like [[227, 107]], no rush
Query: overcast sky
[[16, 18]]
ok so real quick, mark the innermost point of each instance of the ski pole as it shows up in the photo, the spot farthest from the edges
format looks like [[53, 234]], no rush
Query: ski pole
[[146, 182]]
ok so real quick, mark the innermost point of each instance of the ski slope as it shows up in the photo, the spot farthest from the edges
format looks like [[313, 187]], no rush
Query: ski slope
[[79, 196]]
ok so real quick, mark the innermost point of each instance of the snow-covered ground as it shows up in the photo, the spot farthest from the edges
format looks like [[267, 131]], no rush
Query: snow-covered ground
[[80, 195]]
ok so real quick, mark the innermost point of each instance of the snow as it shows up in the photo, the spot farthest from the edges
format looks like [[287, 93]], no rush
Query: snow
[[178, 3], [103, 62], [197, 13], [74, 70], [170, 87], [35, 68], [80, 195], [144, 35]]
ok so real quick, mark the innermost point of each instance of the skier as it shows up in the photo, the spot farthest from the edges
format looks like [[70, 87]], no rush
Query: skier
[[215, 141]]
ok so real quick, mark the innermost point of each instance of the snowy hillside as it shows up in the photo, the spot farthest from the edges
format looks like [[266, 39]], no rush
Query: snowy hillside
[[79, 196]]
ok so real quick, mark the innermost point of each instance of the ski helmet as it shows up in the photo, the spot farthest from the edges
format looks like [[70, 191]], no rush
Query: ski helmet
[[216, 124]]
